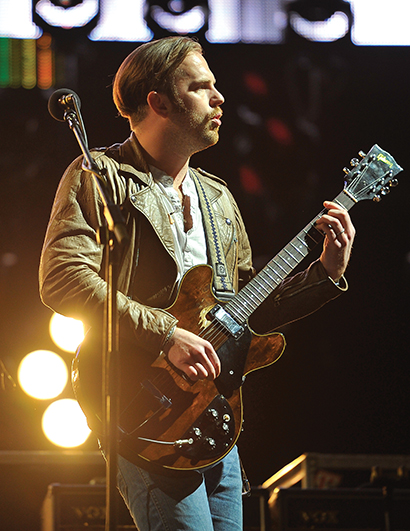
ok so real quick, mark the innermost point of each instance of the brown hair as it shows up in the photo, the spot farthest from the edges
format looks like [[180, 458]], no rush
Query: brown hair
[[149, 67]]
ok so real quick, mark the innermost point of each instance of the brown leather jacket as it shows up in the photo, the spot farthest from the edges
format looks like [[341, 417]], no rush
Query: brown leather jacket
[[71, 272]]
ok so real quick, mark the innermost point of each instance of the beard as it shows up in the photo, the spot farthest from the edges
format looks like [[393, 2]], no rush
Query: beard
[[196, 130]]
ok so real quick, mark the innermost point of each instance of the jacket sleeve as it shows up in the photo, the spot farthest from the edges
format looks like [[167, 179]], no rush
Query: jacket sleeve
[[71, 266], [296, 297]]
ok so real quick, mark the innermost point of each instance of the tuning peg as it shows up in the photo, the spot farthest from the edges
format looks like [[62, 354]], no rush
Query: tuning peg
[[393, 183], [346, 170], [362, 154], [354, 162], [385, 191], [377, 198]]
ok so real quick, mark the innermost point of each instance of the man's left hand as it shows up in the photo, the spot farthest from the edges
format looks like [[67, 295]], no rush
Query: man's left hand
[[339, 235]]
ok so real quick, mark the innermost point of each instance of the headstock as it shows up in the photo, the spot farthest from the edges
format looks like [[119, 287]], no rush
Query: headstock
[[372, 176]]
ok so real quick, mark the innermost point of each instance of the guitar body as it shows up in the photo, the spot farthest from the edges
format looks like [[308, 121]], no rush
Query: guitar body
[[193, 424]]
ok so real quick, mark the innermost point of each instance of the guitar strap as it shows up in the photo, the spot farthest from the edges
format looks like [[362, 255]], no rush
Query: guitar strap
[[223, 288]]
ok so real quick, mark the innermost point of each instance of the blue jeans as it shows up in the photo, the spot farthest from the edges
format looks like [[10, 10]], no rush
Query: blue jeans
[[205, 501]]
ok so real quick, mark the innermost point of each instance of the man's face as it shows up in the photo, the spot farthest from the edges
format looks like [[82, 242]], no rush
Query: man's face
[[197, 114]]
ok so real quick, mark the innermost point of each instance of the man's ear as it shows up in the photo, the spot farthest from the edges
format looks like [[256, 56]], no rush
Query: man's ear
[[159, 103]]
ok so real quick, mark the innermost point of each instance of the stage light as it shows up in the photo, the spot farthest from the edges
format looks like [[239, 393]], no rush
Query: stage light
[[42, 374], [64, 424], [67, 333], [177, 16], [377, 22], [121, 20], [57, 16], [28, 64], [45, 62], [16, 20], [4, 62], [320, 20]]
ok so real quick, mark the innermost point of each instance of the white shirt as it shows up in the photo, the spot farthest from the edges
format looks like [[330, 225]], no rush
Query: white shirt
[[190, 246]]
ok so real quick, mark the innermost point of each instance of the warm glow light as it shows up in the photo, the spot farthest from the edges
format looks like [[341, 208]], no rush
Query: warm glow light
[[66, 333], [64, 424], [43, 374], [45, 62]]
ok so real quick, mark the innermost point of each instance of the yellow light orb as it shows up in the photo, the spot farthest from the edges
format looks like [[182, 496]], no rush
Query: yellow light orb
[[67, 333], [64, 423], [43, 374]]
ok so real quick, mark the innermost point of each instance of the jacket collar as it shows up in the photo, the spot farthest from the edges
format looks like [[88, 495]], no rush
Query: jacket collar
[[132, 159]]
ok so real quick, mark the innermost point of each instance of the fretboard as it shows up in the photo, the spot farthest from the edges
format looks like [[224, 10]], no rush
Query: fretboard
[[272, 275]]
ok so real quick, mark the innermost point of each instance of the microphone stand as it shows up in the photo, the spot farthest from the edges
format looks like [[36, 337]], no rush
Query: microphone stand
[[6, 381], [113, 233]]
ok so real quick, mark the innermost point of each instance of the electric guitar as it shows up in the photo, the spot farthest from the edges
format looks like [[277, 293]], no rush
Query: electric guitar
[[175, 423]]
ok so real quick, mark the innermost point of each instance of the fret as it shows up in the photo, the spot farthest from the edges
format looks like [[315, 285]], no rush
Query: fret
[[242, 309], [297, 249], [346, 200], [303, 241], [236, 312], [264, 272], [291, 255], [276, 263], [248, 306], [270, 268], [238, 318], [312, 232], [286, 262], [253, 294], [257, 281], [257, 300], [311, 237], [242, 304]]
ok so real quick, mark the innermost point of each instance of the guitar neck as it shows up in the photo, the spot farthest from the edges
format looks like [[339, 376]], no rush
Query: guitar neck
[[260, 287]]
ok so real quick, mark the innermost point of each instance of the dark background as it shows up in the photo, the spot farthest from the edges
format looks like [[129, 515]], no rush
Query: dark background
[[295, 114]]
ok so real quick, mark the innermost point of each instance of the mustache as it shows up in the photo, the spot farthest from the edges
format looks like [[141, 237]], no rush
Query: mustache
[[217, 113]]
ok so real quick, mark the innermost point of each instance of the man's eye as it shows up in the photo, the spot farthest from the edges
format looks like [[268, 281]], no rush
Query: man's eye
[[203, 86]]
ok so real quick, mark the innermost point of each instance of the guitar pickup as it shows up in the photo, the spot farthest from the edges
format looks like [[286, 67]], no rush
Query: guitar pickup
[[227, 321], [162, 399]]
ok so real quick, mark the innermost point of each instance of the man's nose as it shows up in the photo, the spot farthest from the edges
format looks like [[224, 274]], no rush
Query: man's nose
[[217, 98]]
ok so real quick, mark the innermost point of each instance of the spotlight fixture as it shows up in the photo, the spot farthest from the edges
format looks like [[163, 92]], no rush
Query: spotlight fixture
[[320, 20], [58, 16], [177, 17]]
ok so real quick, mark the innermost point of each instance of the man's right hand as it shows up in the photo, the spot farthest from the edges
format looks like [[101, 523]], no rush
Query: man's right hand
[[194, 356]]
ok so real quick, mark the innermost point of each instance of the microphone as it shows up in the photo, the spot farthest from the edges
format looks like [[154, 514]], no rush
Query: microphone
[[64, 105], [63, 100]]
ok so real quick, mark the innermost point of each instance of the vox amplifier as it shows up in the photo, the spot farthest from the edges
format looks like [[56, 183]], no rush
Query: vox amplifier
[[80, 508], [340, 509]]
